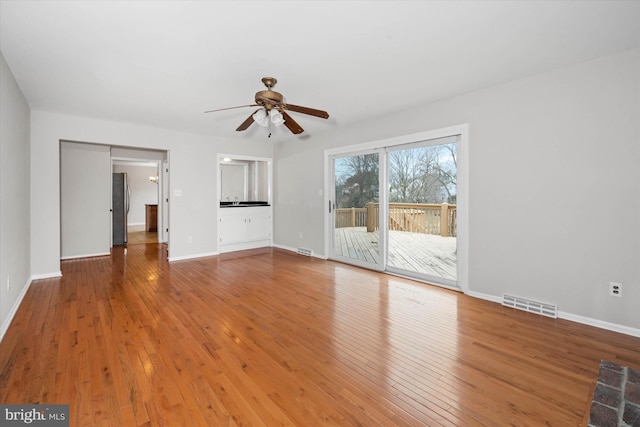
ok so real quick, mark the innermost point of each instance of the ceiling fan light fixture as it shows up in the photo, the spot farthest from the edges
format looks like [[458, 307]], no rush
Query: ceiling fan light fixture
[[260, 117], [276, 117], [273, 110]]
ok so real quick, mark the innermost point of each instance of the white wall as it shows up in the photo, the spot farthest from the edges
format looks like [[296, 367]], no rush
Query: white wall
[[554, 193], [142, 191], [192, 160], [14, 193]]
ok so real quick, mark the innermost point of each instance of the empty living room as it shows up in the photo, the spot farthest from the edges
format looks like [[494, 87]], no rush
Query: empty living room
[[312, 213]]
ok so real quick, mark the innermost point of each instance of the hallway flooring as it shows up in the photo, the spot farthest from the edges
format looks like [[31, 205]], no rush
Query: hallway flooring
[[138, 235]]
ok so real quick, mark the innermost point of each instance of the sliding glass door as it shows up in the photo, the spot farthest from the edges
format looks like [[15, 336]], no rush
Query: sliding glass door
[[355, 222], [421, 210], [395, 208]]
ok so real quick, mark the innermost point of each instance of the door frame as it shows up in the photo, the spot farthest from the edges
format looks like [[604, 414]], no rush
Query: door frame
[[162, 174], [381, 145]]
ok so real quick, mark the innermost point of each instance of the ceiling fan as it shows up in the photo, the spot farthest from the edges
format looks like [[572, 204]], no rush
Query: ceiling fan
[[273, 110]]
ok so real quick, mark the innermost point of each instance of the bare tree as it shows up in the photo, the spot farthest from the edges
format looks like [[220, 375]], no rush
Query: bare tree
[[360, 179], [423, 175], [404, 176], [447, 169], [416, 175]]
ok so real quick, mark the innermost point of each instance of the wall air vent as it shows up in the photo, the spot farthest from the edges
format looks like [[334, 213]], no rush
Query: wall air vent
[[305, 252], [536, 307]]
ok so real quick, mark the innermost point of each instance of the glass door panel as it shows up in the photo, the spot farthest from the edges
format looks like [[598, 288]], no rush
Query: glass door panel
[[355, 209], [421, 210]]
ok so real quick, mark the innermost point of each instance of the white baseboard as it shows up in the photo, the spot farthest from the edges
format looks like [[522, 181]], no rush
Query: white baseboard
[[288, 248], [46, 275], [485, 297], [627, 330], [194, 256], [14, 309], [85, 256], [243, 246], [599, 323]]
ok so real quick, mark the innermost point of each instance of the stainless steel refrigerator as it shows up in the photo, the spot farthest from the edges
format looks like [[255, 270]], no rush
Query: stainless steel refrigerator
[[119, 208]]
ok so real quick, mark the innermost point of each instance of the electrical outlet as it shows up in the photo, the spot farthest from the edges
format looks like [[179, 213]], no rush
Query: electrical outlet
[[615, 289], [190, 239]]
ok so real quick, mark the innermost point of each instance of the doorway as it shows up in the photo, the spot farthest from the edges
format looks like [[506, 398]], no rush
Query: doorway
[[400, 206], [86, 191], [141, 194]]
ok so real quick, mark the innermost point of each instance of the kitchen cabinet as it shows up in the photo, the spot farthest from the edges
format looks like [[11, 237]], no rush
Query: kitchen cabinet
[[244, 228], [151, 217]]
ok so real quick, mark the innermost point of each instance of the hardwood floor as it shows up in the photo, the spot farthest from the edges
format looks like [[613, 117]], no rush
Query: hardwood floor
[[137, 234], [268, 337]]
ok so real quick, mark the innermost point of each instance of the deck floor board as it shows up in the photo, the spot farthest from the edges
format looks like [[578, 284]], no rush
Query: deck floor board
[[424, 253]]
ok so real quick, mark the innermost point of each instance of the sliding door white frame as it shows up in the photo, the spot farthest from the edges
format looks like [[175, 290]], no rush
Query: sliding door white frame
[[447, 282]]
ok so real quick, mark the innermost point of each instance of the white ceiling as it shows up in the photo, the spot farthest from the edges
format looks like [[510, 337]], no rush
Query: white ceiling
[[163, 63]]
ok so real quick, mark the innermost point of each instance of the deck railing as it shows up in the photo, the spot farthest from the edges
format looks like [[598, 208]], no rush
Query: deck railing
[[425, 218]]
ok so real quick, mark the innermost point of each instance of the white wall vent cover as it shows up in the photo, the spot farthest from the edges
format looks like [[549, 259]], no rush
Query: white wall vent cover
[[541, 308], [306, 252]]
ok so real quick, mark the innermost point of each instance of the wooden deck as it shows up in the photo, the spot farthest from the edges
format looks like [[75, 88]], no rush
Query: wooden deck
[[424, 253]]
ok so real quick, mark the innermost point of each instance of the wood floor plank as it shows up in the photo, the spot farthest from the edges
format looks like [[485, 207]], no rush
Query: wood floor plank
[[267, 337]]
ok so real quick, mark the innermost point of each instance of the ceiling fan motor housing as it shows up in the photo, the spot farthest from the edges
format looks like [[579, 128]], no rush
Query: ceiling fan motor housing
[[268, 98]]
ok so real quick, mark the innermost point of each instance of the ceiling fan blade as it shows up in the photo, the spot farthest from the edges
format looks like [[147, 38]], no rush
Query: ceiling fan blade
[[232, 108], [244, 125], [307, 110], [290, 123]]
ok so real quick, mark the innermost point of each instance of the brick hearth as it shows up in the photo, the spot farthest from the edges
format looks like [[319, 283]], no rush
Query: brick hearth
[[616, 398]]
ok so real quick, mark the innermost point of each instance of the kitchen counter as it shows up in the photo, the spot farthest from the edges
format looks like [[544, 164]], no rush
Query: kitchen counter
[[244, 204]]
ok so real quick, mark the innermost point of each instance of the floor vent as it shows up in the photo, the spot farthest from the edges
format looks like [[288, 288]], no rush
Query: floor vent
[[306, 252], [541, 308]]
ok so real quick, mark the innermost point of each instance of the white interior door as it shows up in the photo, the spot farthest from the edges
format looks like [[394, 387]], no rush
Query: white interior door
[[85, 200]]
